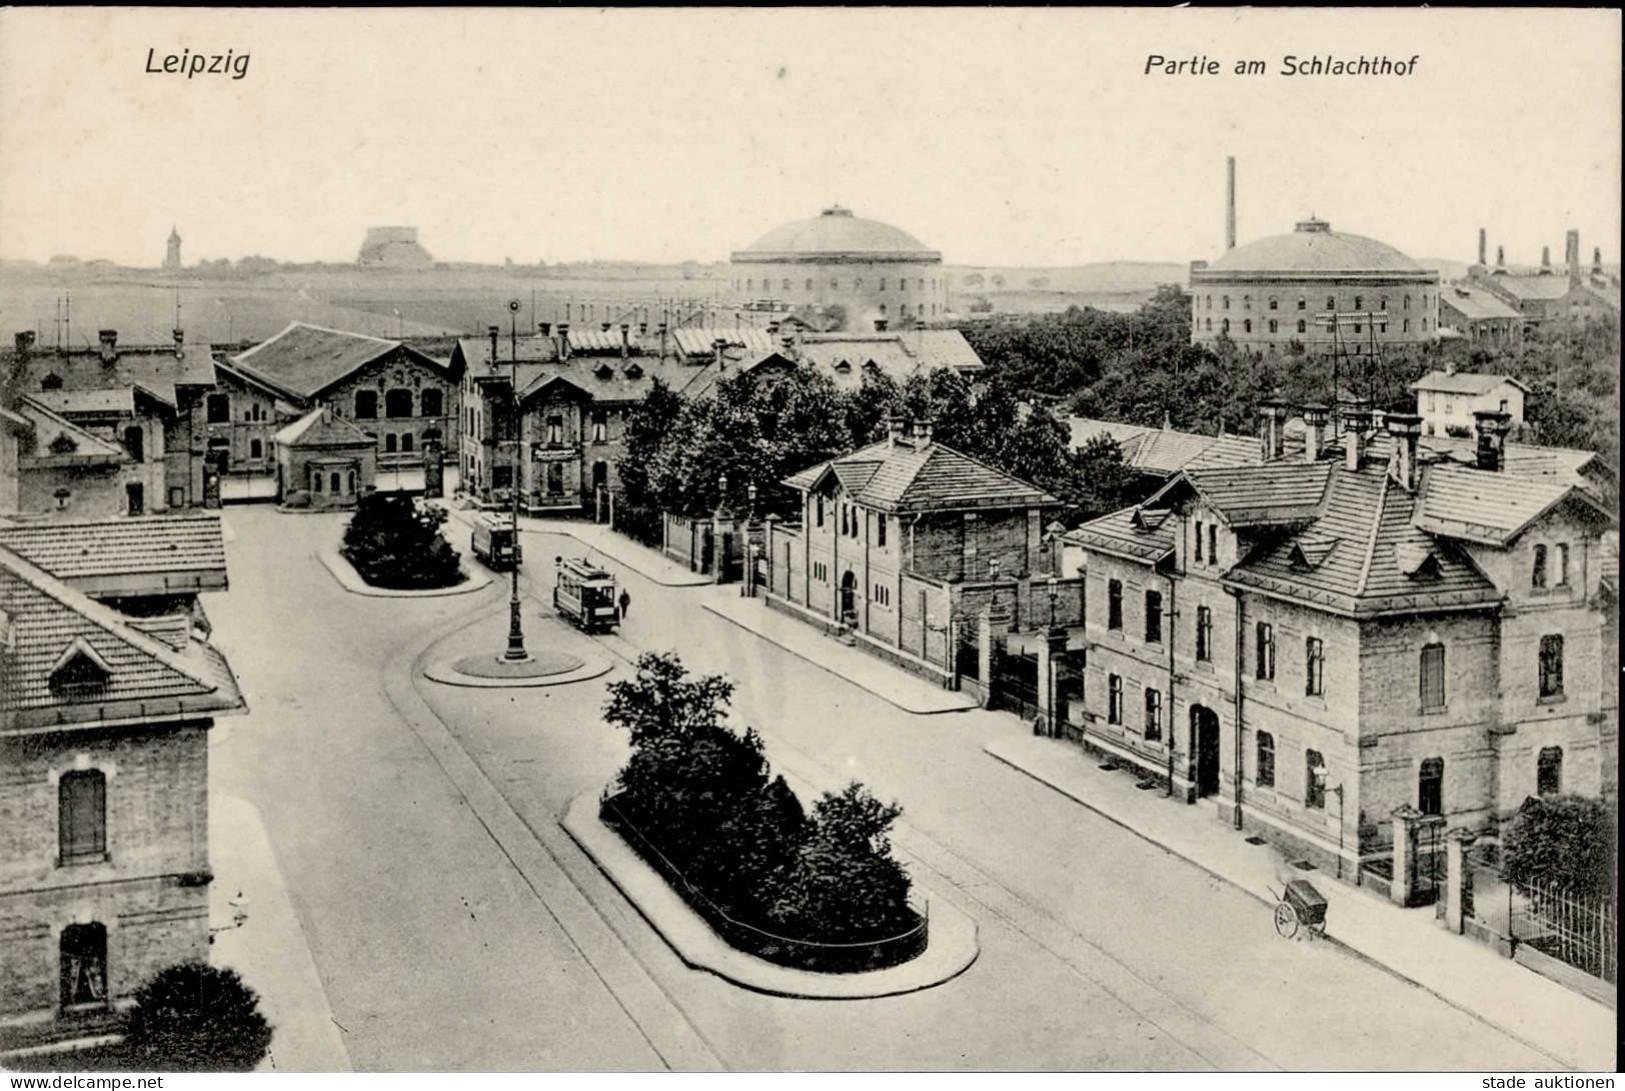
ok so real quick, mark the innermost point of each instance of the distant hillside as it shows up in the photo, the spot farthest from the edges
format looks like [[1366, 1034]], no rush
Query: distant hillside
[[1104, 277]]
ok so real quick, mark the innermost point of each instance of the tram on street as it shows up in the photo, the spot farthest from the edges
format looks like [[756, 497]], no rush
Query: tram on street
[[585, 595], [495, 542]]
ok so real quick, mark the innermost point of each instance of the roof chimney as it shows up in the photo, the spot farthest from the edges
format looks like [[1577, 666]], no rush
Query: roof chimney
[[1483, 244], [24, 340], [1315, 417], [1571, 255], [772, 328], [1356, 423], [717, 349], [922, 433], [880, 325], [603, 327], [894, 430], [787, 344], [180, 336], [492, 332], [564, 340], [1492, 427], [626, 340], [1501, 258], [544, 329], [109, 340], [643, 328], [1406, 428], [1545, 259], [1271, 418], [1230, 203]]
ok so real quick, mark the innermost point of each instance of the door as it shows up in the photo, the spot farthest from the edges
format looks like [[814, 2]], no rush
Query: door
[[849, 587], [1205, 728], [136, 497], [83, 961]]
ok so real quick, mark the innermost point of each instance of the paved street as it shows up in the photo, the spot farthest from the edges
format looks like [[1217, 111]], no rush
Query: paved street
[[437, 951]]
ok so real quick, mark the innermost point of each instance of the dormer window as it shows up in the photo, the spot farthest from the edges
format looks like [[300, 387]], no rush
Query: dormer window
[[634, 371], [604, 371], [79, 670], [52, 381]]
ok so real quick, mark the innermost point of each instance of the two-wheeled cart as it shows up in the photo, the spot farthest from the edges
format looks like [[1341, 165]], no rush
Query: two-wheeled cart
[[1299, 905]]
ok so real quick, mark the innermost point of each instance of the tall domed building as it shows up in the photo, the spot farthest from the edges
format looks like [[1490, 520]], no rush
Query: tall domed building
[[870, 270], [1326, 289]]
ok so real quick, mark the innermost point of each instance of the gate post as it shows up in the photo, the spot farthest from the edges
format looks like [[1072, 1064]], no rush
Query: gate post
[[1458, 880], [984, 654], [1043, 723], [1404, 818]]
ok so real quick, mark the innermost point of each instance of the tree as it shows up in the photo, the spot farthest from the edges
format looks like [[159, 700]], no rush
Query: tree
[[196, 1017], [845, 882], [1104, 483], [1564, 840], [394, 543], [647, 426]]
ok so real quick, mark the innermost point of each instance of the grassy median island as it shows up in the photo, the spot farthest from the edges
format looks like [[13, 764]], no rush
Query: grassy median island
[[699, 803], [394, 543]]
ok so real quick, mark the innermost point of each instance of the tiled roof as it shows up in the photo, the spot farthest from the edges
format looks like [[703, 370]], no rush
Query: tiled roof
[[610, 378], [1464, 382], [1485, 506], [1164, 451], [1229, 451], [307, 359], [146, 679], [1362, 555], [82, 552], [323, 428], [156, 369], [1274, 493], [1126, 534], [119, 400], [932, 478], [1540, 286], [48, 427], [1475, 303]]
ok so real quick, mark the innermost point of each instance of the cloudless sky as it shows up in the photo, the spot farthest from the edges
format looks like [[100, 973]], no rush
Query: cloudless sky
[[996, 136]]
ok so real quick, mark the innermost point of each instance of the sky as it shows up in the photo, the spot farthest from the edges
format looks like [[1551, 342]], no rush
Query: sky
[[1009, 136]]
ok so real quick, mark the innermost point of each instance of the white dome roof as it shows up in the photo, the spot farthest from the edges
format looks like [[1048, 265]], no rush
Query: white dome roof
[[835, 232], [1314, 247]]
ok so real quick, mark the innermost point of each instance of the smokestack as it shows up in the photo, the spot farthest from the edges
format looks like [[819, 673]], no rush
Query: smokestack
[[1501, 259], [1271, 417], [1483, 245], [109, 342], [1315, 417], [1492, 427], [880, 325], [1406, 428], [1545, 259], [1571, 255], [1230, 203], [492, 332], [626, 340], [564, 340]]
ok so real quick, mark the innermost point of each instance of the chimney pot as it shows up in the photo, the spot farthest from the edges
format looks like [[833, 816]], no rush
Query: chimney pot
[[545, 329], [564, 340], [109, 343], [603, 327], [180, 336], [1315, 417], [1407, 429], [880, 325], [626, 340], [1271, 418], [1492, 427], [894, 430]]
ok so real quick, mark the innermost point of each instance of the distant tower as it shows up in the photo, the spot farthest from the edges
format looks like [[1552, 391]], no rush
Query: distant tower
[[172, 258]]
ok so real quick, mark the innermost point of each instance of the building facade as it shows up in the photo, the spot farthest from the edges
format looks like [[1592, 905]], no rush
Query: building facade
[[1326, 290], [1310, 644], [867, 269], [1448, 400], [324, 461], [1479, 316]]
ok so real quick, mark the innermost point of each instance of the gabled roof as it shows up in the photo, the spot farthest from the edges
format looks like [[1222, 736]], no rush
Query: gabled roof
[[906, 477], [48, 427], [157, 369], [1489, 507], [305, 359], [146, 679], [1164, 451], [1128, 535], [1272, 494], [321, 427], [1475, 303], [116, 401], [1464, 382], [173, 552]]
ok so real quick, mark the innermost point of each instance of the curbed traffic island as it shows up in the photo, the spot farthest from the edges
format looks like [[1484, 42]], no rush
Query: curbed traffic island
[[393, 548], [950, 945]]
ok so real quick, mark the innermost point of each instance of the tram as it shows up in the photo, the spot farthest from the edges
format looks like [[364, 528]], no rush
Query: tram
[[585, 594], [495, 543]]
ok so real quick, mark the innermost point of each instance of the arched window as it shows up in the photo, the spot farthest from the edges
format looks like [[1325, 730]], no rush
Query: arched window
[[786, 286], [52, 381], [1275, 327], [1551, 665], [1247, 325], [1226, 301], [1407, 302], [1331, 303], [1246, 302], [1275, 304], [1407, 325], [1359, 302], [389, 442], [1537, 578], [1224, 327], [1265, 775], [350, 482], [366, 405], [406, 441], [1432, 674], [82, 954], [256, 449], [1382, 304], [1210, 325], [1303, 304], [1562, 559], [1303, 327], [333, 483], [398, 403], [81, 816], [1430, 787], [1314, 779], [430, 403]]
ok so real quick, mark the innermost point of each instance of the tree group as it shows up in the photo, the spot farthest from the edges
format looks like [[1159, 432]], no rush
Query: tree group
[[393, 542]]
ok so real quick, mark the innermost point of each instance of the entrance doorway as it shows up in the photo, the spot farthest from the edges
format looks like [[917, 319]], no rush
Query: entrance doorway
[[1205, 745], [83, 954], [849, 588]]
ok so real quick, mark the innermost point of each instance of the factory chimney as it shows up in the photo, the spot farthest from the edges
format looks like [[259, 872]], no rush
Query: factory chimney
[[1501, 259], [1571, 255], [1230, 203], [1545, 259], [1596, 261], [1483, 244]]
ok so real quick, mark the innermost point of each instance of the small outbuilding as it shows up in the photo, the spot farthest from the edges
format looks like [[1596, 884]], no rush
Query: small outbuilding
[[324, 461]]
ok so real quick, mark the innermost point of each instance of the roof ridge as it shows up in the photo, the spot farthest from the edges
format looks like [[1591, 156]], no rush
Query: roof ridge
[[1371, 543], [65, 424], [104, 617]]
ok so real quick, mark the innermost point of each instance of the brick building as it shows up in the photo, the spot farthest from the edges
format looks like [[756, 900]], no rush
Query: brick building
[[405, 399], [1480, 316], [1447, 400], [904, 544], [324, 461], [104, 865], [146, 400], [61, 470], [1311, 643]]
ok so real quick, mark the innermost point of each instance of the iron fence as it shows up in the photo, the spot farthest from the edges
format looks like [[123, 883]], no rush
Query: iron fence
[[1572, 927]]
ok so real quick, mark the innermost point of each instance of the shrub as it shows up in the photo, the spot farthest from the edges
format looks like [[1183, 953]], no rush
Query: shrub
[[1567, 840], [394, 543], [196, 1017]]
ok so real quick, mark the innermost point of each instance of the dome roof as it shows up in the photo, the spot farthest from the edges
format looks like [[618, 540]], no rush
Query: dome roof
[[835, 232], [1314, 248]]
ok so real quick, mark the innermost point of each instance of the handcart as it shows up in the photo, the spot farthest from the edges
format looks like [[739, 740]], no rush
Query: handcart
[[1300, 905]]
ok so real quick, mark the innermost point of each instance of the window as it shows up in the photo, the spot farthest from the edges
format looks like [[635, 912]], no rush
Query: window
[[398, 403], [1114, 604], [1406, 326], [1331, 305], [833, 283], [845, 526], [1314, 659], [1153, 715], [1359, 303], [134, 442], [1303, 327], [1114, 699], [82, 953], [1433, 676], [1225, 326], [819, 503], [1210, 325], [1407, 303], [333, 483], [880, 530], [1430, 787], [1247, 325], [1549, 771], [600, 426], [430, 403], [555, 478], [1153, 617], [1265, 637], [1275, 304], [882, 595], [1563, 565], [81, 797], [1246, 302], [555, 431], [1198, 539], [219, 408], [315, 480], [1264, 772], [1314, 780], [1204, 634], [1226, 302], [1212, 543], [1551, 666], [256, 449], [809, 284], [1537, 578], [501, 477], [406, 441], [1275, 327], [1303, 304]]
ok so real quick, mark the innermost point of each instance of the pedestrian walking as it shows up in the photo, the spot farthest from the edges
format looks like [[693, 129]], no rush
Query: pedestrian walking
[[626, 600]]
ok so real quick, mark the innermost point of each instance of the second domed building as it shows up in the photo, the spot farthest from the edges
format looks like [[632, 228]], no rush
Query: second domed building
[[1322, 288], [838, 263]]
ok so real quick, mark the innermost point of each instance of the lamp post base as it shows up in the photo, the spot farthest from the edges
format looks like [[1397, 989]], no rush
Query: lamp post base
[[516, 636]]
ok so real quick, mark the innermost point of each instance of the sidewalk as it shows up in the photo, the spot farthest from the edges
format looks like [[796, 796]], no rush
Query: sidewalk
[[889, 683], [269, 948], [1575, 1031], [599, 540]]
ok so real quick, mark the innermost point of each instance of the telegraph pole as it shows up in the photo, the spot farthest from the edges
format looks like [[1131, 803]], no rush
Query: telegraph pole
[[516, 631]]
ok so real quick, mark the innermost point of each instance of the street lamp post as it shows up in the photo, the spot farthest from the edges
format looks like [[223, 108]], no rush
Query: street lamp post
[[516, 630]]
